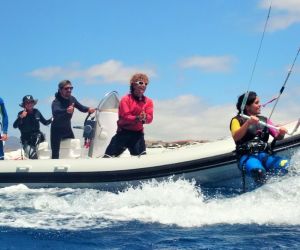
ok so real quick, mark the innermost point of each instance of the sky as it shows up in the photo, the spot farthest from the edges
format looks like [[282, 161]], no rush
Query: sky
[[198, 54]]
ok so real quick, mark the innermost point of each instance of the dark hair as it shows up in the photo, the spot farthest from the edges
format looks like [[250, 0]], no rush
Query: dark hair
[[251, 98], [63, 83]]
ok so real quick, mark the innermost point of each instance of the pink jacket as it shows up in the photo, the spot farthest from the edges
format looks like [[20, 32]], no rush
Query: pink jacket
[[129, 108]]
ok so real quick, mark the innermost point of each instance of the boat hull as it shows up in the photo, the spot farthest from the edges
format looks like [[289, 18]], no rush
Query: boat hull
[[215, 171]]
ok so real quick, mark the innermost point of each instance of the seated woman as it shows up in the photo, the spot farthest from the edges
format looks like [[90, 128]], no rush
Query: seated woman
[[255, 157], [28, 122]]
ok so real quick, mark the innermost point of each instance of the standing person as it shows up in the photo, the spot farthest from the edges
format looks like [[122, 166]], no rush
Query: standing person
[[28, 122], [135, 110], [62, 111], [255, 156], [4, 127]]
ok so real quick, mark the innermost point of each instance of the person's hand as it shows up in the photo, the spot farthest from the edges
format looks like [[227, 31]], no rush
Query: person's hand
[[23, 114], [91, 110], [70, 109], [253, 120], [4, 137], [142, 116], [282, 131]]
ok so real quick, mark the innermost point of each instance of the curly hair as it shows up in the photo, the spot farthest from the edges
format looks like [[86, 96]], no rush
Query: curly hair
[[138, 77]]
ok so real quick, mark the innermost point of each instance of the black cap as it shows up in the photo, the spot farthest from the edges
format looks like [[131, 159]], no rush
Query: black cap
[[28, 98]]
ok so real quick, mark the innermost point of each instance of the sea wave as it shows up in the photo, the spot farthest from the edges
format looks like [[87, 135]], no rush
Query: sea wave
[[178, 203], [173, 202]]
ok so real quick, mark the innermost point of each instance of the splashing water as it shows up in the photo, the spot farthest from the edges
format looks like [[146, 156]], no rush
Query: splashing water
[[179, 203]]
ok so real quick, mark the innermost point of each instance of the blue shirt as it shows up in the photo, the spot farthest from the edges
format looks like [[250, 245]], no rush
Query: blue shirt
[[4, 117]]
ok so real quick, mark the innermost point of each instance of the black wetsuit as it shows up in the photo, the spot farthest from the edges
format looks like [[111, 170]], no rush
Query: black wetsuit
[[29, 127], [61, 125]]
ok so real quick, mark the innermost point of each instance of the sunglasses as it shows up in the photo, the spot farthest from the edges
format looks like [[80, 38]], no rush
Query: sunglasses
[[141, 83], [68, 88], [29, 102]]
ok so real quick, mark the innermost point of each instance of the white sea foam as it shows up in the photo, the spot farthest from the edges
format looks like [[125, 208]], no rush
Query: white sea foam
[[171, 202]]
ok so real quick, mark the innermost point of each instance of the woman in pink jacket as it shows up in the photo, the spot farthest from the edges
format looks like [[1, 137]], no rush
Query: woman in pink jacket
[[135, 110]]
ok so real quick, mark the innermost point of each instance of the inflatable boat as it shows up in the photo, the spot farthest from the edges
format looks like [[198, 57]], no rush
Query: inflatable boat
[[210, 164]]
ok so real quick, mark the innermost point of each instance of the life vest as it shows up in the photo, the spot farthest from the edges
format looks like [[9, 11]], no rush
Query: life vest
[[256, 138]]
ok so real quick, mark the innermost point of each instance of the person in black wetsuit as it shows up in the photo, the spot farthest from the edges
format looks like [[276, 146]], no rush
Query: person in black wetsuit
[[28, 122], [62, 111]]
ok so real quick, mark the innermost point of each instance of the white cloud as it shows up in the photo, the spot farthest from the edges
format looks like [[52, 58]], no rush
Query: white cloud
[[284, 13], [189, 117], [106, 72], [209, 63]]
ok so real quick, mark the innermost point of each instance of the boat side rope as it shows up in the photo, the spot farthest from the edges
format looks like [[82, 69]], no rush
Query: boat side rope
[[277, 99], [243, 105], [283, 86], [256, 60]]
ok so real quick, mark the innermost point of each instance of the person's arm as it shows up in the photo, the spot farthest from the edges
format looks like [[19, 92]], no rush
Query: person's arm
[[149, 111], [79, 106], [18, 121], [4, 121], [238, 131], [277, 134], [43, 120], [58, 111]]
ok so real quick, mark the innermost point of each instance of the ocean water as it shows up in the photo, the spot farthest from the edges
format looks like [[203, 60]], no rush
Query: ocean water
[[166, 215]]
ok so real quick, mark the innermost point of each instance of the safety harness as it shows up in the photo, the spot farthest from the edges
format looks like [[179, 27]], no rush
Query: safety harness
[[255, 139]]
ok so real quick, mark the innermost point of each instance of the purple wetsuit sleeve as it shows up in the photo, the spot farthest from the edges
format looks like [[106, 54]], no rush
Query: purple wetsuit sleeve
[[272, 131]]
